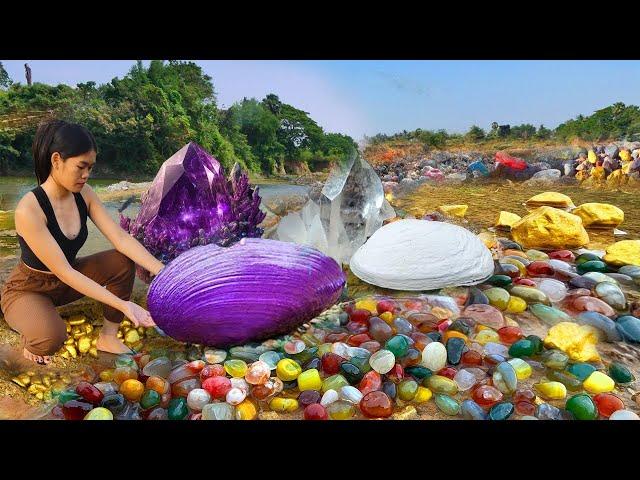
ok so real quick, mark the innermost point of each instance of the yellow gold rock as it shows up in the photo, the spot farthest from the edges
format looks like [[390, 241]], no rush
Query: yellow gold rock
[[599, 215], [550, 228], [84, 344], [88, 327], [551, 199], [65, 354], [137, 346], [506, 220], [409, 413], [68, 328], [141, 330], [72, 350], [454, 210], [69, 341], [577, 341], [125, 323], [489, 239], [94, 341], [46, 381], [40, 396], [132, 336], [93, 351], [77, 319], [625, 252], [19, 381], [33, 389]]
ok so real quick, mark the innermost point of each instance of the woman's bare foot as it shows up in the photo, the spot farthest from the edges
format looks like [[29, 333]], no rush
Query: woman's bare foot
[[41, 360], [111, 344]]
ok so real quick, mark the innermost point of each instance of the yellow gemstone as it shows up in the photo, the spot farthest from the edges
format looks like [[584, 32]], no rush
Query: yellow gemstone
[[94, 341], [522, 368], [367, 304], [106, 375], [65, 354], [288, 369], [88, 328], [93, 351], [577, 341], [69, 341], [132, 389], [387, 317], [68, 327], [516, 305], [99, 413], [84, 344], [125, 323], [453, 333], [422, 395], [18, 381], [598, 382], [34, 389], [551, 390], [132, 336], [487, 335], [78, 335], [236, 368], [279, 404], [309, 380], [246, 410], [40, 396]]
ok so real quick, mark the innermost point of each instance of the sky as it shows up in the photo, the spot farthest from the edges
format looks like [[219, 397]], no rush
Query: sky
[[365, 97]]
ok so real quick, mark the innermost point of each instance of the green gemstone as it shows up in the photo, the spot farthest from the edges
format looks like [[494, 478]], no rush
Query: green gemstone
[[455, 348], [459, 326], [555, 359], [178, 409], [581, 370], [149, 399], [499, 280], [498, 297], [362, 363], [586, 257], [305, 355], [407, 389], [537, 343], [397, 345], [334, 382], [447, 404], [351, 372], [441, 384], [620, 373], [549, 315], [501, 411], [582, 407], [592, 266], [67, 395], [419, 373], [126, 361], [570, 381], [522, 348]]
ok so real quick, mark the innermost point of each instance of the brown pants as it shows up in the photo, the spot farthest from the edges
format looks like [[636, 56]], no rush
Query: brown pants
[[28, 298]]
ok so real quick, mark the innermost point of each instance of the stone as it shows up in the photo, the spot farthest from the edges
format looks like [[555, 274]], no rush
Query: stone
[[434, 356], [592, 304], [624, 415], [578, 341], [555, 290], [422, 255], [551, 199], [454, 210], [620, 373], [470, 410], [529, 294], [485, 315], [447, 404], [506, 220], [551, 390], [611, 294], [582, 407], [599, 215], [629, 328], [549, 315], [550, 228], [602, 323], [624, 252], [190, 202]]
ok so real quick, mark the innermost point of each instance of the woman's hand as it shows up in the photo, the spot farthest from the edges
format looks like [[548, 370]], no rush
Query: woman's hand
[[138, 315]]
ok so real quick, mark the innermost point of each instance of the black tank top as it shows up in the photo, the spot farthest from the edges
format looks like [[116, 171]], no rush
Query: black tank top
[[69, 247]]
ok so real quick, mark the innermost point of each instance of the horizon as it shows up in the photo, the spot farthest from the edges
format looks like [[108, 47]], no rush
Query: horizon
[[365, 97]]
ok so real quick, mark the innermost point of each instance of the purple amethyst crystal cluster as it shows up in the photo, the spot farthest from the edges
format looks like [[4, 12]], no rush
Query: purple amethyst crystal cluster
[[191, 203]]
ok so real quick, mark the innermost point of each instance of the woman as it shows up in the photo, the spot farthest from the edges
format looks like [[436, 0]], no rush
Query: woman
[[51, 223]]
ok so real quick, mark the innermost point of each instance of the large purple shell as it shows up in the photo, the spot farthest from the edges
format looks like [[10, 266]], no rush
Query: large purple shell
[[255, 289]]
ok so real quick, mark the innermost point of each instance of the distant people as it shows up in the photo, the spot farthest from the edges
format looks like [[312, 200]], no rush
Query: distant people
[[27, 71]]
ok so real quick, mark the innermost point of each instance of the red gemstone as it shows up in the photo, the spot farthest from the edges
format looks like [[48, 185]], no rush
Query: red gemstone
[[356, 340], [183, 387], [385, 306], [444, 325], [524, 395], [396, 374], [376, 405], [196, 366], [524, 281], [510, 335], [565, 255], [209, 371], [217, 387], [90, 393], [540, 269], [331, 363], [360, 315], [424, 322], [486, 395], [315, 411], [471, 357], [420, 340], [412, 357], [607, 403], [371, 382], [448, 372], [348, 308], [525, 408], [75, 410]]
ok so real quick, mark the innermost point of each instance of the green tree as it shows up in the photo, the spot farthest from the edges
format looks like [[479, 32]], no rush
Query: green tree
[[475, 133], [5, 81]]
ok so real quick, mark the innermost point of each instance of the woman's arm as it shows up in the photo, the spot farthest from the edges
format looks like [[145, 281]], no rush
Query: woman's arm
[[44, 246], [121, 240]]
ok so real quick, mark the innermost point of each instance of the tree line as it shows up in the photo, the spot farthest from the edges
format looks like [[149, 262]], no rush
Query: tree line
[[143, 118]]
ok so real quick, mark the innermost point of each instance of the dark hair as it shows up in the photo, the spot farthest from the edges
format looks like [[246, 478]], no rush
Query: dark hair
[[68, 139]]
